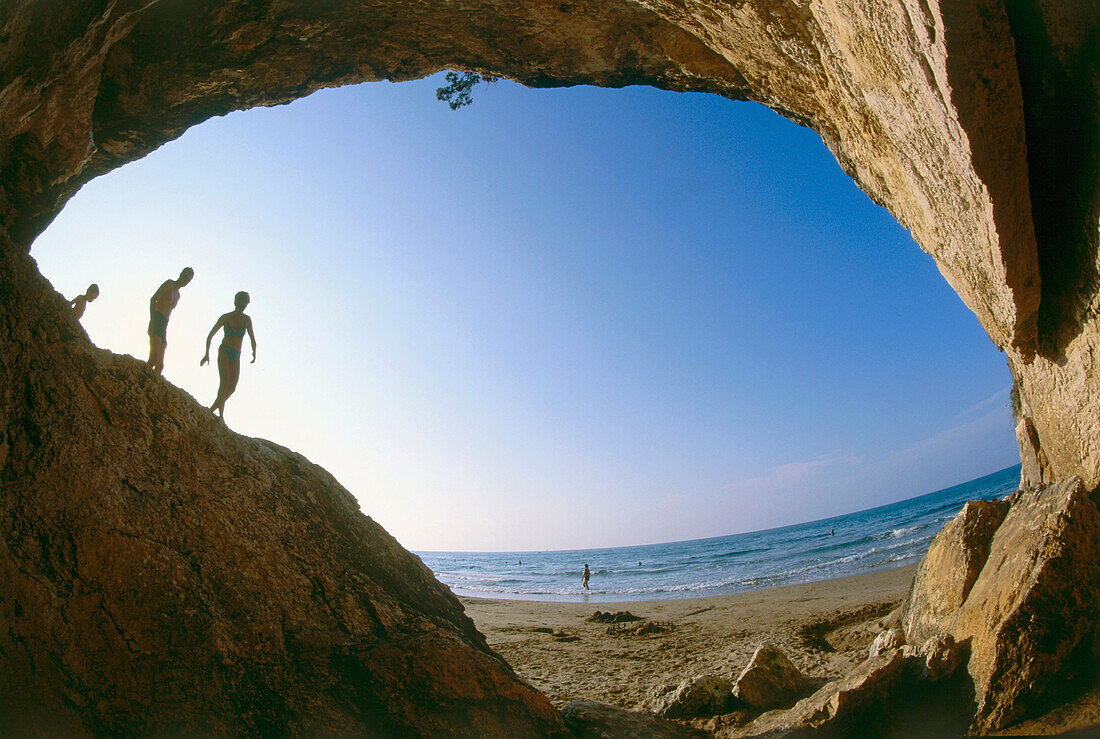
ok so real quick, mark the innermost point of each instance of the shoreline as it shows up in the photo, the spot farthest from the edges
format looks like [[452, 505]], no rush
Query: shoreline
[[825, 628], [622, 604]]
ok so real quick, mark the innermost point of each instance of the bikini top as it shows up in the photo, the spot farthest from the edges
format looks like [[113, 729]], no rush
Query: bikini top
[[234, 334]]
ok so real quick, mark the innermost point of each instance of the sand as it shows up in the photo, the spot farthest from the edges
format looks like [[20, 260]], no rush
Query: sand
[[825, 628]]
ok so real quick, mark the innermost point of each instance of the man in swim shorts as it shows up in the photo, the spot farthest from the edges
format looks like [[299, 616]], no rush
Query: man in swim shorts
[[160, 308]]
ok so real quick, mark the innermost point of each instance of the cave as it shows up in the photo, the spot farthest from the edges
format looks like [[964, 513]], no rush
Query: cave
[[975, 123]]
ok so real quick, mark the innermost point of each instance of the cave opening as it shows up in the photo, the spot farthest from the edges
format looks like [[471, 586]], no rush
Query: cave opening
[[663, 309]]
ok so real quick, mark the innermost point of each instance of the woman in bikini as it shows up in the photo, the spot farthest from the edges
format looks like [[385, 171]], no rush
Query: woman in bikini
[[229, 353]]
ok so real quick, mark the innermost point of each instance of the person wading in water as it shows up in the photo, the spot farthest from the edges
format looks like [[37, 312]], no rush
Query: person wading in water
[[160, 307], [229, 353]]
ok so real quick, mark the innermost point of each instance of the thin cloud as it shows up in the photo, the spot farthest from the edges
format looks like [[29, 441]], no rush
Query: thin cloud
[[999, 398], [795, 473]]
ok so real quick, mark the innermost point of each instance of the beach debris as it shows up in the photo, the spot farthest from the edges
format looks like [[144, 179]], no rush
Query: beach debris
[[887, 640], [703, 695], [770, 680], [619, 617], [592, 720], [646, 629]]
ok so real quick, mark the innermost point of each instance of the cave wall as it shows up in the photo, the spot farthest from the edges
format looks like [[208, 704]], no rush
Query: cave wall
[[974, 122]]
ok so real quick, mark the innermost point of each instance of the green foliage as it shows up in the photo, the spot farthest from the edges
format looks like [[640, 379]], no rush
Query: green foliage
[[459, 84]]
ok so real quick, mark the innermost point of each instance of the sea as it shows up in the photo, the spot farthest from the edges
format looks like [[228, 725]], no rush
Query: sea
[[893, 535]]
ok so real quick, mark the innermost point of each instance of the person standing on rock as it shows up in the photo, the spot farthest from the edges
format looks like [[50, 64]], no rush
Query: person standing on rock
[[80, 302], [160, 307], [584, 577], [229, 353]]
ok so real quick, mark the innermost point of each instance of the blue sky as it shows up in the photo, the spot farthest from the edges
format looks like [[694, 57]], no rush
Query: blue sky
[[555, 319]]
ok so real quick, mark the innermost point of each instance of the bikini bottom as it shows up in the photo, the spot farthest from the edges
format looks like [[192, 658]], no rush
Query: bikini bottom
[[231, 354]]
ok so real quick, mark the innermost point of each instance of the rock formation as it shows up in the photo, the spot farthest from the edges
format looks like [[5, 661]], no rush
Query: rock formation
[[163, 575], [975, 122], [702, 695], [769, 680], [1029, 614]]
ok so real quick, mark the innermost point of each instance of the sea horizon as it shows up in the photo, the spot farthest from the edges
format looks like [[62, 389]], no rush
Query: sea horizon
[[883, 537]]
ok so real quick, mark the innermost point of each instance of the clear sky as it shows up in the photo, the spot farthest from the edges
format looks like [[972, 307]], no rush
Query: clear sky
[[561, 318]]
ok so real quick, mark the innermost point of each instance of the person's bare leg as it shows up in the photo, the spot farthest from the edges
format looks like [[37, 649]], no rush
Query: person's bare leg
[[223, 377], [156, 354]]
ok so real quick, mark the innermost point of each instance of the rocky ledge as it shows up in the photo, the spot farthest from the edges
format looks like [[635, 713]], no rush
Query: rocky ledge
[[164, 575]]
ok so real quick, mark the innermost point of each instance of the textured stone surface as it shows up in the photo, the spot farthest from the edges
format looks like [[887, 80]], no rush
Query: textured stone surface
[[769, 680], [949, 568], [1033, 607], [1029, 611], [162, 575], [839, 705], [941, 657], [975, 122], [887, 640], [703, 695], [591, 720]]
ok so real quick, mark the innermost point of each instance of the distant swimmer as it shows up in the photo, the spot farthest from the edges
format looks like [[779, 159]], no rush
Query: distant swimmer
[[235, 324], [161, 306], [584, 577], [81, 301], [832, 532]]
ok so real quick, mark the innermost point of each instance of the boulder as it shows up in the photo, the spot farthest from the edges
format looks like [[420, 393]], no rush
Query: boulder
[[704, 695], [592, 720], [840, 705], [770, 680], [887, 640], [1030, 616], [949, 568], [940, 656]]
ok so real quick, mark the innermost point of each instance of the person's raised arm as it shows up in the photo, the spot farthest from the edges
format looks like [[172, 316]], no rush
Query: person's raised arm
[[251, 337], [209, 336]]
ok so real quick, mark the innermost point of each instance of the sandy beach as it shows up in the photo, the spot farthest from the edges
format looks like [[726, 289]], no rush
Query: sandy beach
[[825, 628]]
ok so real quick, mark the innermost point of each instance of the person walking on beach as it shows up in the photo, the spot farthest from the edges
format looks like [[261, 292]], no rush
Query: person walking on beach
[[229, 353], [160, 307], [584, 577], [80, 302]]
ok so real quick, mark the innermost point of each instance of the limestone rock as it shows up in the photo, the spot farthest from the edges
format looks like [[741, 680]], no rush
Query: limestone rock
[[949, 568], [1033, 607], [162, 575], [941, 657], [840, 704], [703, 695], [769, 680], [887, 640], [975, 123], [591, 720]]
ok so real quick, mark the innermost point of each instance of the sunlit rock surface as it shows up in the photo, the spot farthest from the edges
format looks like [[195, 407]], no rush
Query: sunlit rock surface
[[975, 122], [1022, 588]]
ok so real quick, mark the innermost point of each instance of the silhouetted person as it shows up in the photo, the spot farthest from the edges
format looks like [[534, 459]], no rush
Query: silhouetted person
[[229, 353], [584, 577], [81, 301], [160, 307]]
